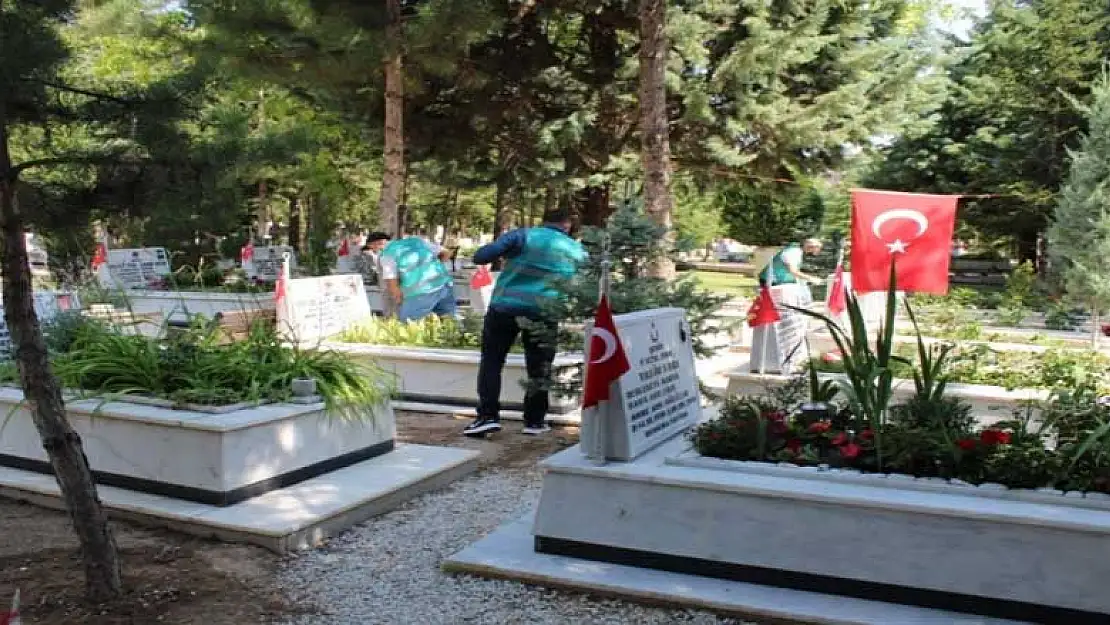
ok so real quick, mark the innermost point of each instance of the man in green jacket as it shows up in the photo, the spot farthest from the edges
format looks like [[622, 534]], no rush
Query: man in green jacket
[[417, 279], [786, 266], [534, 257]]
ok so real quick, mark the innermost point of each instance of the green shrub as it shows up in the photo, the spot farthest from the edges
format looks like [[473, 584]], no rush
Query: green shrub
[[432, 331]]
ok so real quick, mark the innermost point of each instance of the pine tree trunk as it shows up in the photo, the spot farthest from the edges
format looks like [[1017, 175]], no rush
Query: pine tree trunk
[[655, 145], [44, 399], [500, 206], [393, 179]]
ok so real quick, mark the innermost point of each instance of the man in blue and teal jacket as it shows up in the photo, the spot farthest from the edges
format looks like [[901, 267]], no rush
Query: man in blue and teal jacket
[[533, 258], [417, 279]]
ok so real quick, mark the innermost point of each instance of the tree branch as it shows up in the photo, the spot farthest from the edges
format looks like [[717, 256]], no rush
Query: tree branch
[[84, 92]]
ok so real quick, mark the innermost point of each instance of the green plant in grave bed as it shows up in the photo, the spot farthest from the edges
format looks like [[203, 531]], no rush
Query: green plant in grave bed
[[868, 372], [432, 331], [198, 366]]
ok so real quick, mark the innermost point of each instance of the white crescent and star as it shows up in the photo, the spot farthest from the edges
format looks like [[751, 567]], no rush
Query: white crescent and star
[[898, 246], [610, 345]]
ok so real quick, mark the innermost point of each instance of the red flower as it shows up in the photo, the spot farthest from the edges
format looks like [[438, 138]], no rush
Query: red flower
[[819, 427], [775, 415], [867, 435], [840, 439], [794, 445], [778, 428], [966, 444], [994, 437], [851, 450]]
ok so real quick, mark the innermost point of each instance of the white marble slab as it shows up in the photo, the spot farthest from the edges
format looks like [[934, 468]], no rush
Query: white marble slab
[[450, 376], [207, 303], [1037, 553], [508, 553], [296, 517], [203, 451], [989, 404]]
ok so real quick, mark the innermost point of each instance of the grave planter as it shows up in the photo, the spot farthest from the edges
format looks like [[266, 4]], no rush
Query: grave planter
[[217, 458], [450, 376], [1029, 556], [989, 404], [180, 303]]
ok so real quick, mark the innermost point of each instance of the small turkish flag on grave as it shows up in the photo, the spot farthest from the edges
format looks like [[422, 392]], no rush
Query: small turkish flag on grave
[[606, 361], [246, 254], [914, 227], [763, 311], [11, 617], [838, 294], [100, 257], [345, 248], [481, 278]]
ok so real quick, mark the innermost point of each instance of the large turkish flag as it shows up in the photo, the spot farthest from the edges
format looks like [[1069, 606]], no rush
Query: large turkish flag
[[913, 229]]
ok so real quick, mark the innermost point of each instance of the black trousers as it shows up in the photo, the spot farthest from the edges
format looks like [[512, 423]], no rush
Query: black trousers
[[499, 332]]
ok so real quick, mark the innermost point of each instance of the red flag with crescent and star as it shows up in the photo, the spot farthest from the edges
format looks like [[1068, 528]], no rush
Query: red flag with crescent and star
[[911, 228], [606, 361], [481, 278], [763, 311], [838, 292], [344, 248], [100, 257]]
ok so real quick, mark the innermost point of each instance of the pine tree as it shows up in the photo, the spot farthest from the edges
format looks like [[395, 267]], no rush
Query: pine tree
[[1079, 236], [32, 54]]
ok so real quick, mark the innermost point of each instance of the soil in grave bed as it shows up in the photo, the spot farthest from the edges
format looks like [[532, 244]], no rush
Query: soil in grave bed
[[168, 578]]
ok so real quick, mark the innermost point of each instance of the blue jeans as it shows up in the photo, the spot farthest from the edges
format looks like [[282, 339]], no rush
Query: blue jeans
[[440, 302]]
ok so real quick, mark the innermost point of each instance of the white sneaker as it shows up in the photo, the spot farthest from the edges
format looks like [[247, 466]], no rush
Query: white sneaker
[[535, 430]]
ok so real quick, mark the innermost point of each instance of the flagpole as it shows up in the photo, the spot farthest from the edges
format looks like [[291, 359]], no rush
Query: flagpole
[[595, 450]]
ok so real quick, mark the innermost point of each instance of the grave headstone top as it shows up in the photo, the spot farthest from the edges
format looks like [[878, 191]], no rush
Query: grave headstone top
[[316, 308], [134, 268], [265, 264], [780, 347], [659, 395]]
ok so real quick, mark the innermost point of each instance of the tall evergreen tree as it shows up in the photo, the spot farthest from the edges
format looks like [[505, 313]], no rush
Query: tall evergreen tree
[[30, 91], [1079, 235]]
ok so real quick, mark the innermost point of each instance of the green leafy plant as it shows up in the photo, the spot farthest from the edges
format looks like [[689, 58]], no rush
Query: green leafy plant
[[199, 366], [868, 372], [432, 331]]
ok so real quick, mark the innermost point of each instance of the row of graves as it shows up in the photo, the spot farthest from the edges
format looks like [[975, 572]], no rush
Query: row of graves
[[636, 511], [285, 474]]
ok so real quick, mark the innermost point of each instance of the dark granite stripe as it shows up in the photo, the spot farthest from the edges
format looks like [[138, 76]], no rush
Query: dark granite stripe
[[824, 584], [213, 497]]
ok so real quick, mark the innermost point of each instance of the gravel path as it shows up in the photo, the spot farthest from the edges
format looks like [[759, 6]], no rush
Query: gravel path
[[387, 570]]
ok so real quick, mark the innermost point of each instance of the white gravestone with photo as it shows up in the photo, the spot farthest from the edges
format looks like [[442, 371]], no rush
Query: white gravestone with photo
[[658, 397], [134, 268], [781, 347], [265, 263], [48, 305], [316, 308]]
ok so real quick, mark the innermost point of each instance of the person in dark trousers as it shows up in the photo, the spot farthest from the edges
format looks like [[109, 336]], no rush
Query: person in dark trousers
[[533, 257]]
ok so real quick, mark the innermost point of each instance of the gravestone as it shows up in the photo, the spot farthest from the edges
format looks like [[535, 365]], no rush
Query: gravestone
[[658, 397], [781, 347], [316, 308], [872, 306], [134, 268], [48, 305], [265, 264]]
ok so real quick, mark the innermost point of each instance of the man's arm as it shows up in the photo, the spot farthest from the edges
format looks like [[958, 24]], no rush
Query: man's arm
[[794, 266], [390, 278], [507, 245]]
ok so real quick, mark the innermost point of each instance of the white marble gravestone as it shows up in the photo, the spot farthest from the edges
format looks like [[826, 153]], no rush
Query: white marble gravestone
[[134, 268], [265, 264], [659, 396], [316, 308], [781, 347]]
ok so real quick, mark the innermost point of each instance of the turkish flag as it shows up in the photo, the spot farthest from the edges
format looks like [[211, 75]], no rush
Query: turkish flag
[[246, 253], [763, 311], [345, 248], [606, 361], [838, 294], [11, 617], [481, 278], [100, 257], [914, 229]]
